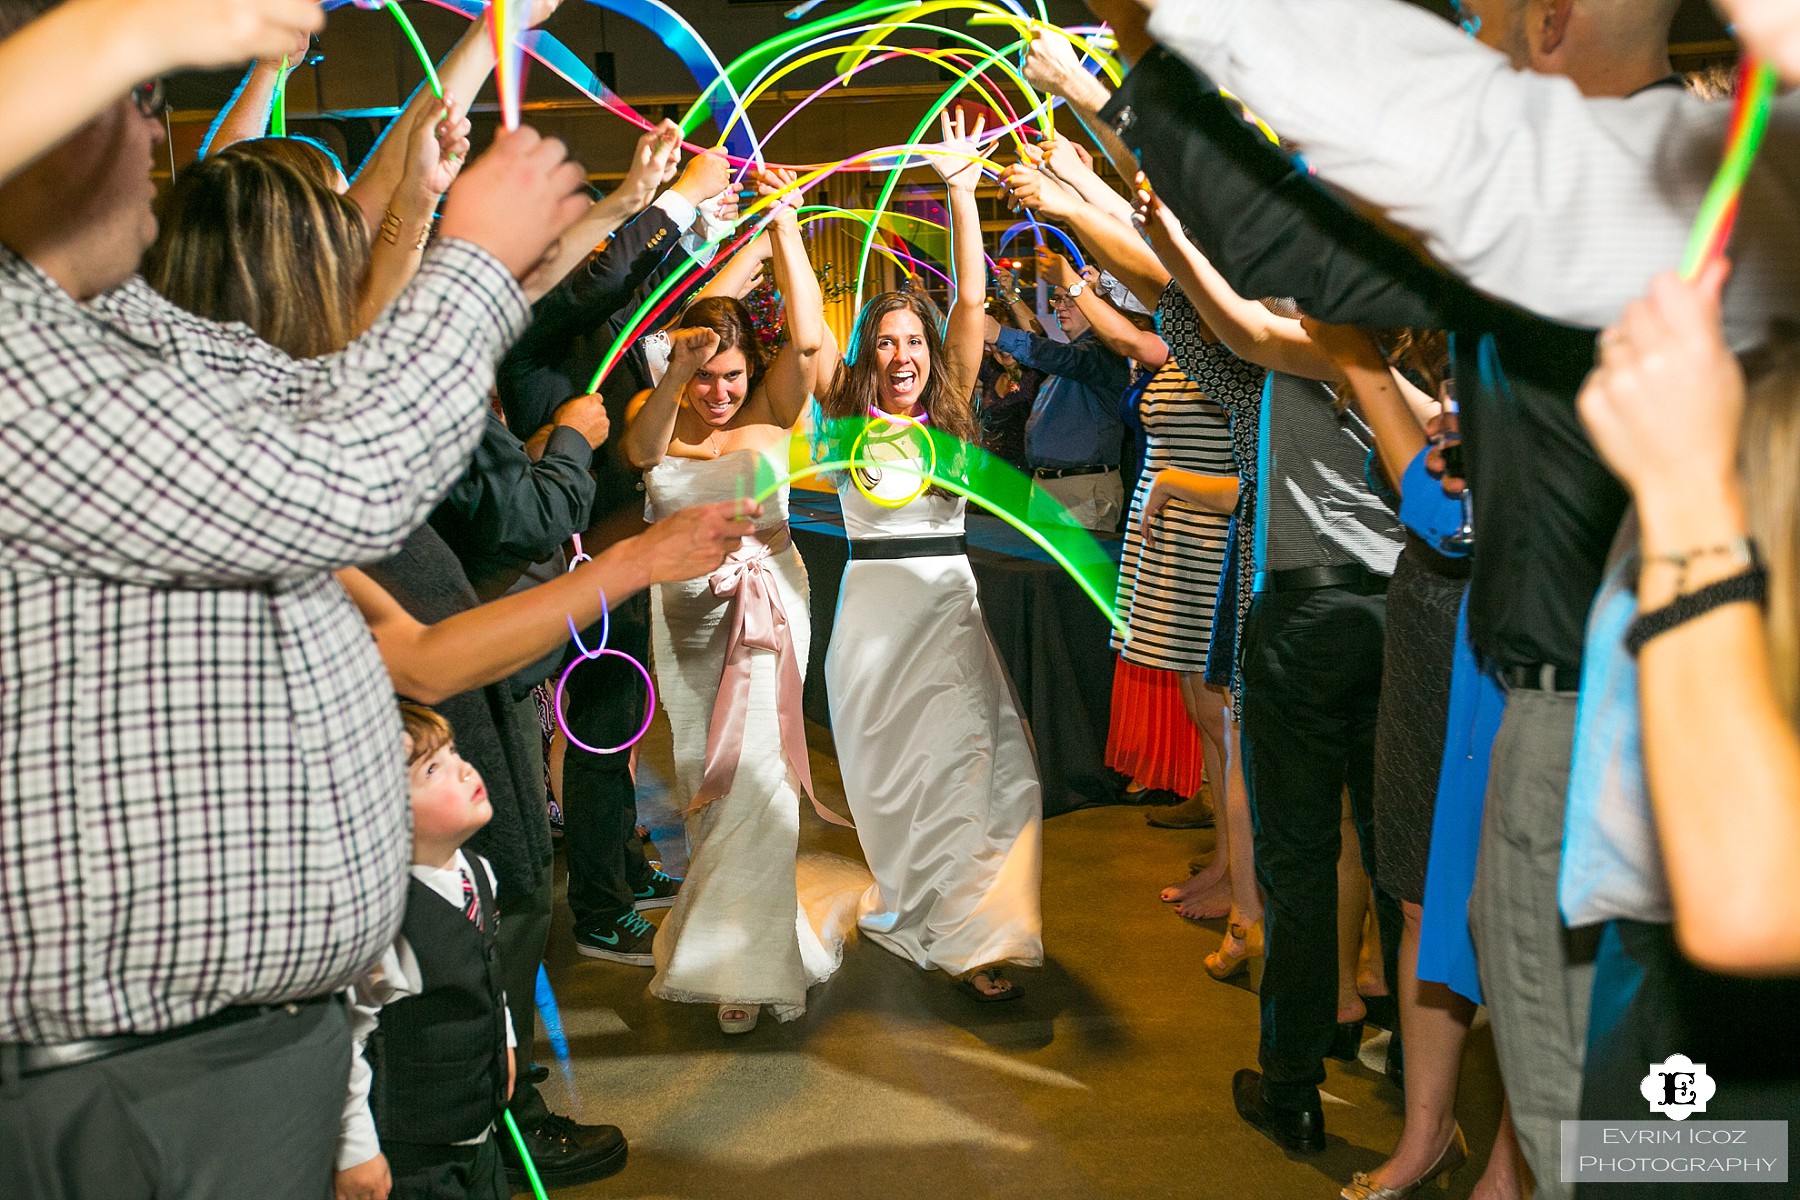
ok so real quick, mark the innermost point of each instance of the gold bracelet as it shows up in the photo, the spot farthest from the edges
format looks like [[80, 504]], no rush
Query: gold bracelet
[[390, 230]]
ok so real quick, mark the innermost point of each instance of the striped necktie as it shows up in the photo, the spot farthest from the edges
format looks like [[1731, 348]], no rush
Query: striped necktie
[[471, 906]]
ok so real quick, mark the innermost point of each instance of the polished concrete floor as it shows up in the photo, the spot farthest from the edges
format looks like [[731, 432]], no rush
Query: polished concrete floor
[[1109, 1079]]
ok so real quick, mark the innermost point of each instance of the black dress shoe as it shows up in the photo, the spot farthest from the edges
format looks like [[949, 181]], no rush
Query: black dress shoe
[[1300, 1130], [537, 1073], [565, 1152]]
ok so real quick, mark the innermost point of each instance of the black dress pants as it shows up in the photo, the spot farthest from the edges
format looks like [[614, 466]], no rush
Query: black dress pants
[[604, 706], [1312, 681]]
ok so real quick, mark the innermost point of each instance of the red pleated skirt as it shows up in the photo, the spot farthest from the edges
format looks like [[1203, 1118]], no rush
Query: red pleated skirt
[[1152, 739]]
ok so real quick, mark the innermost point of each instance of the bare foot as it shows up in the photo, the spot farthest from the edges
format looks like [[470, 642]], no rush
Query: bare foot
[[1206, 904], [990, 983]]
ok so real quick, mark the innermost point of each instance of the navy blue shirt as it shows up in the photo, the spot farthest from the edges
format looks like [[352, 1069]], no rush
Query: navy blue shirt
[[1075, 418]]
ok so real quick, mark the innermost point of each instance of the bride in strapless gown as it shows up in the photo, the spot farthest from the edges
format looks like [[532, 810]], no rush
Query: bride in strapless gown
[[730, 653], [737, 933]]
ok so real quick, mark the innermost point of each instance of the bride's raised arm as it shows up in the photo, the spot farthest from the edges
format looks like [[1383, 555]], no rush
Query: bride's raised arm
[[963, 329], [789, 382]]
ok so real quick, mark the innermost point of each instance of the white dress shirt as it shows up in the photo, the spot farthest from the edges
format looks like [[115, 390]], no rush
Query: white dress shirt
[[1538, 195]]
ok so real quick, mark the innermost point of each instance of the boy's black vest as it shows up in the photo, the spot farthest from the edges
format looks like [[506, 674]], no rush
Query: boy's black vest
[[440, 1057]]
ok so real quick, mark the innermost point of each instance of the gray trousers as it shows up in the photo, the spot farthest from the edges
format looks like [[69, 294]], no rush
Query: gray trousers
[[249, 1109], [1536, 975]]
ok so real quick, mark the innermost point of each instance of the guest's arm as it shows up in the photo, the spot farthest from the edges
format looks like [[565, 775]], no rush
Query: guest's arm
[[1720, 748], [496, 640], [788, 384], [1090, 363], [1379, 392], [1211, 493], [964, 325], [1112, 327]]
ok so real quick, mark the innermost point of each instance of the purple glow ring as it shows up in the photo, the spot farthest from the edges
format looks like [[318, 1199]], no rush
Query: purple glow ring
[[649, 709]]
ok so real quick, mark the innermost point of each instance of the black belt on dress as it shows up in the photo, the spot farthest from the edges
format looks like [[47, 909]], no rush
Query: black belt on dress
[[38, 1060], [1542, 677], [1303, 579], [1066, 472], [945, 546]]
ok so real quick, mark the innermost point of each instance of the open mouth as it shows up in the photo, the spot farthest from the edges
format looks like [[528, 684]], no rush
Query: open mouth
[[903, 382]]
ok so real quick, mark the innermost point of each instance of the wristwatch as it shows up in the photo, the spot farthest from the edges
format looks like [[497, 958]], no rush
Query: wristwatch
[[1076, 288]]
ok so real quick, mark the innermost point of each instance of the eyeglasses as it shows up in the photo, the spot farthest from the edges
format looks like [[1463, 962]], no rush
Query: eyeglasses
[[1058, 296], [149, 98]]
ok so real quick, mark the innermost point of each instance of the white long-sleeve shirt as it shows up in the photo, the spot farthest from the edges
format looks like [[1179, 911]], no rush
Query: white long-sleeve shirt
[[1559, 203], [393, 978]]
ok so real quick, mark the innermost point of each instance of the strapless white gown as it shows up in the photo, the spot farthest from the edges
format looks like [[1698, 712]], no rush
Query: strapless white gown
[[737, 933], [939, 773]]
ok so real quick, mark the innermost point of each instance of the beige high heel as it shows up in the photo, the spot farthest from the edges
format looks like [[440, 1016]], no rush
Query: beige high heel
[[1455, 1154], [1225, 962]]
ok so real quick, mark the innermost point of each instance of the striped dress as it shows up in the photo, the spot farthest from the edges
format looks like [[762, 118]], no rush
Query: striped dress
[[1166, 590]]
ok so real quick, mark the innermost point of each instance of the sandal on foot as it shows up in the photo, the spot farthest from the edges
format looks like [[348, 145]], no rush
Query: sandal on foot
[[1226, 961], [742, 1023], [1011, 992]]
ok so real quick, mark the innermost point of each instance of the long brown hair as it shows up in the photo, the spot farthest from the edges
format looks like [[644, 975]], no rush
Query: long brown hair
[[730, 318], [854, 390], [1769, 463], [248, 238]]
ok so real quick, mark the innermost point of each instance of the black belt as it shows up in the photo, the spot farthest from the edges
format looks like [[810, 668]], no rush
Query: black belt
[[1066, 472], [1302, 579], [1542, 677], [39, 1060], [946, 546]]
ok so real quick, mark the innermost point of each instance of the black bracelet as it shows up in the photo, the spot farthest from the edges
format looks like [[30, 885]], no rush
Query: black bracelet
[[1750, 585]]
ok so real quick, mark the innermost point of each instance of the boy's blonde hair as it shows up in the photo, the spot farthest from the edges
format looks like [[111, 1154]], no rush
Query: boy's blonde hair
[[427, 732]]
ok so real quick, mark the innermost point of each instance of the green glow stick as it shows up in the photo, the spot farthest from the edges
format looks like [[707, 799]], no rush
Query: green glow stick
[[412, 35], [531, 1175], [994, 484], [278, 109]]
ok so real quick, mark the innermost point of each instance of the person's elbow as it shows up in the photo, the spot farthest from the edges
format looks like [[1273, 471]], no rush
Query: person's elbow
[[1754, 936], [639, 457]]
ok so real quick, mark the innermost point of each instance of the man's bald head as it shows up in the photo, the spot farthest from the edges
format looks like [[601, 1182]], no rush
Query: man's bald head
[[1607, 47]]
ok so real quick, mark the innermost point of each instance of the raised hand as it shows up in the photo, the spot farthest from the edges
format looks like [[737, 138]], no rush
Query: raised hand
[[1033, 189], [517, 199], [586, 415], [540, 11], [437, 147], [705, 177], [215, 33], [770, 181], [954, 158], [689, 349], [653, 163], [694, 541], [1663, 404], [1050, 63], [1054, 269]]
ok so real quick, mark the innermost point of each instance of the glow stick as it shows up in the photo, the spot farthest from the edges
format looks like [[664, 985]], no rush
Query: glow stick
[[1038, 229], [278, 109], [587, 656], [531, 1175], [1718, 211], [412, 36], [997, 486]]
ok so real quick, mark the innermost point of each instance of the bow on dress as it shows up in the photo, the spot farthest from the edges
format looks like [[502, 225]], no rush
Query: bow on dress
[[759, 621]]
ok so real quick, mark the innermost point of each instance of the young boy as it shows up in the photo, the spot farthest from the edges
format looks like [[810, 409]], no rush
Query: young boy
[[438, 1066]]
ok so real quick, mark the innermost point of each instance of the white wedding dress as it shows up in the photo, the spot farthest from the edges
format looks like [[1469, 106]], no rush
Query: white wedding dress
[[738, 933], [939, 773]]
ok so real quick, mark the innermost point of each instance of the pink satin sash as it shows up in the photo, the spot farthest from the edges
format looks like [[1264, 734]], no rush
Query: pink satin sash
[[759, 621]]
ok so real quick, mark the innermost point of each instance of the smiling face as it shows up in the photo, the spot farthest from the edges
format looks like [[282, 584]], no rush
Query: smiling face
[[719, 387], [449, 803], [902, 360]]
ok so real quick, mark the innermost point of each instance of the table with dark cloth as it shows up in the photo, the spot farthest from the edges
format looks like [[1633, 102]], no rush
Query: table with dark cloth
[[1050, 636]]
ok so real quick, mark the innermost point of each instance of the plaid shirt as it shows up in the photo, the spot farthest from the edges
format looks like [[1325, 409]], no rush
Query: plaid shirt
[[202, 796]]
